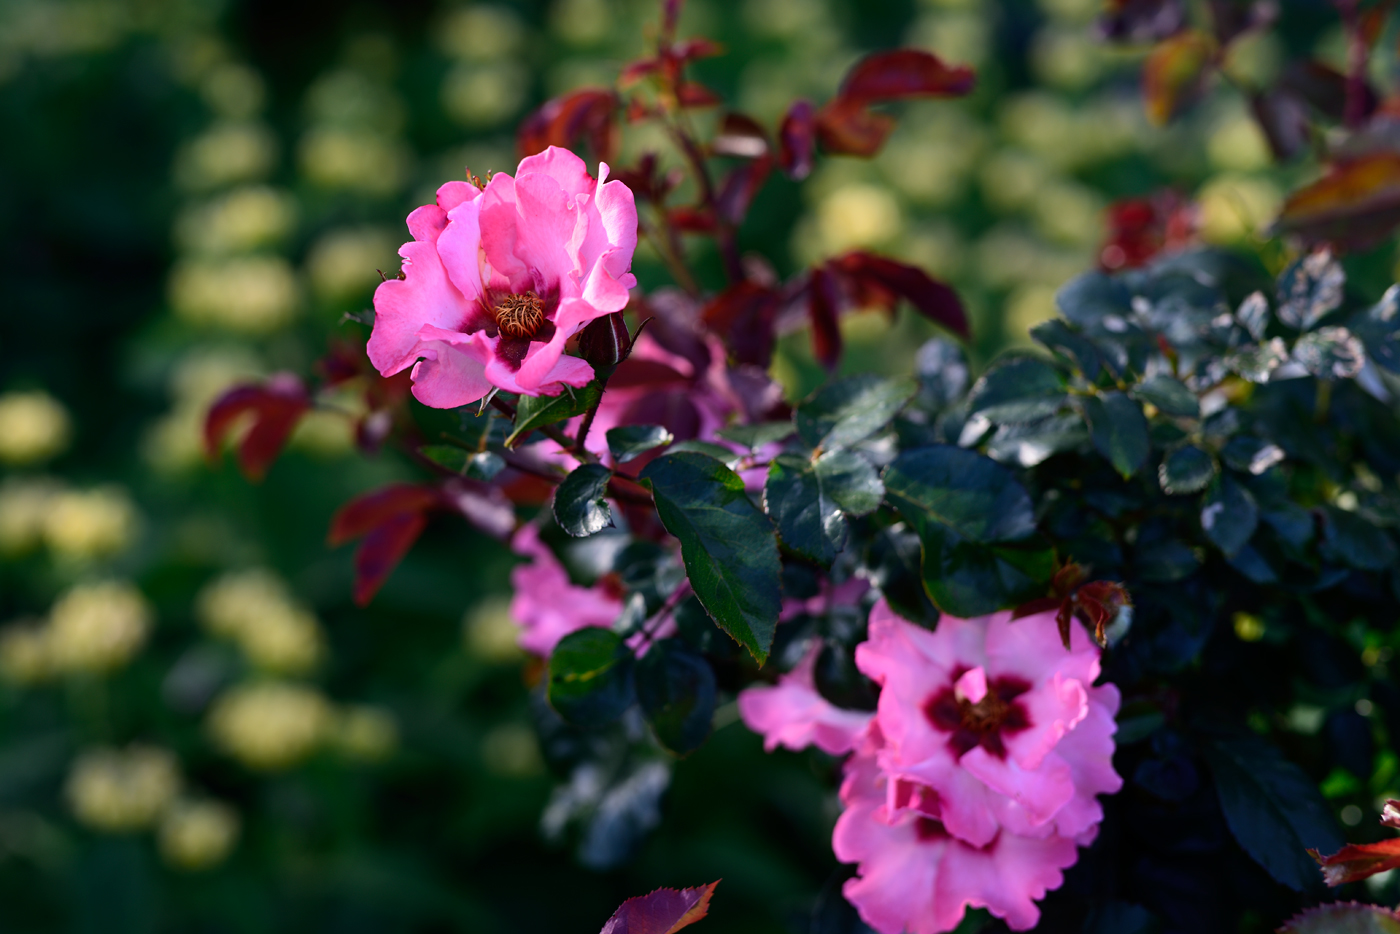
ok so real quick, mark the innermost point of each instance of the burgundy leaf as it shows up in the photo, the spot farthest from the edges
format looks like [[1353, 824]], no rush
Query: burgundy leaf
[[1325, 89], [744, 316], [381, 552], [344, 361], [740, 186], [562, 121], [1283, 116], [691, 219], [633, 72], [695, 49], [823, 307], [664, 911], [847, 127], [1232, 19], [1042, 605], [370, 510], [880, 281], [797, 141], [1141, 20], [1356, 204], [1357, 861], [694, 94], [1141, 228], [905, 73], [637, 371], [277, 406]]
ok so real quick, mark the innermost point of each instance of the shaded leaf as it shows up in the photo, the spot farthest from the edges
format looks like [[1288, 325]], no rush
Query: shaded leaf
[[1356, 204], [1017, 390], [276, 407], [823, 311], [850, 481], [1310, 288], [561, 121], [727, 544], [1251, 455], [629, 441], [1344, 918], [1379, 329], [847, 411], [1174, 72], [942, 371], [1187, 469], [809, 522], [1119, 430], [744, 316], [1057, 336], [797, 141], [1330, 353], [580, 503], [390, 520], [538, 411], [1229, 516], [879, 282], [1350, 539], [961, 490], [1089, 298], [1032, 444], [664, 911], [1273, 809], [893, 558], [590, 677], [967, 579], [676, 689], [1169, 395], [759, 435]]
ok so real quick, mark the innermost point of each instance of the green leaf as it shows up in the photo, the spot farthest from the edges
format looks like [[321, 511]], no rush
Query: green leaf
[[1032, 444], [848, 411], [966, 579], [1057, 336], [629, 441], [718, 451], [448, 456], [961, 490], [893, 559], [1257, 362], [1309, 289], [1017, 390], [538, 411], [1353, 541], [676, 689], [1187, 469], [1088, 298], [1229, 516], [1344, 918], [580, 503], [590, 677], [1119, 430], [756, 436], [728, 545], [1273, 809], [809, 522], [1330, 353], [851, 481], [1169, 395], [484, 466]]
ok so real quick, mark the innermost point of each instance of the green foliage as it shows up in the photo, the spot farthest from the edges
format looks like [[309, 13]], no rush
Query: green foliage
[[535, 412], [580, 503], [590, 677]]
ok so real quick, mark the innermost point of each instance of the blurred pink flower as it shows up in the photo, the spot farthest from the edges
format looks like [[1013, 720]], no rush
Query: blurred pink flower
[[794, 715], [496, 281], [546, 605]]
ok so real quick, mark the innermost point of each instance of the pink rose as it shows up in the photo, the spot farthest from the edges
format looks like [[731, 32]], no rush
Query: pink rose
[[496, 281], [794, 715], [546, 605]]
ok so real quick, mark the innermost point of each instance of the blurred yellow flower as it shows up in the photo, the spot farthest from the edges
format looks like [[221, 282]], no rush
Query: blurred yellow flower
[[511, 750], [255, 610], [364, 733], [483, 95], [858, 215], [235, 151], [1010, 178], [324, 434], [24, 653], [352, 98], [97, 627], [197, 834], [233, 90], [246, 218], [345, 263], [489, 632], [1237, 144], [1069, 213], [481, 33], [963, 36], [250, 294], [1066, 57], [24, 508], [86, 524], [122, 790], [270, 725], [34, 426], [1235, 207], [357, 160]]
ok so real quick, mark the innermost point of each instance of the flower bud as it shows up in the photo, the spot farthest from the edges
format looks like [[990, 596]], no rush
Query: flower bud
[[605, 342]]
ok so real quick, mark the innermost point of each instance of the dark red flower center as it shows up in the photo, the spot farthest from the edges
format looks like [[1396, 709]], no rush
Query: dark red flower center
[[927, 829], [519, 315], [999, 714]]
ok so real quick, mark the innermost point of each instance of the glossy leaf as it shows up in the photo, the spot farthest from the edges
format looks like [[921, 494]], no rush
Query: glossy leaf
[[1187, 469], [1273, 809], [1034, 443], [962, 491], [809, 523], [1229, 516], [664, 911], [1258, 363], [1309, 289], [967, 579], [1253, 315], [447, 456], [845, 412], [759, 435], [850, 481], [1089, 298], [1169, 395], [1344, 918], [1017, 390], [676, 689], [630, 441], [1174, 72], [1057, 336], [719, 452], [728, 545], [580, 503], [1119, 430], [590, 677], [533, 412]]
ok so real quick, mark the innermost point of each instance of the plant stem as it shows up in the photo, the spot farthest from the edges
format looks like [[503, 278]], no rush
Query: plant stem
[[551, 432]]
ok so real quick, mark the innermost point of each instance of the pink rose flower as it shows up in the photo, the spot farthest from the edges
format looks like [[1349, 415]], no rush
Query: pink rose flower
[[794, 715], [497, 280], [546, 605]]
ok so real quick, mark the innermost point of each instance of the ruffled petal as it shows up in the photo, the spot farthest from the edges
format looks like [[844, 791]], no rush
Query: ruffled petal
[[449, 375], [1041, 791], [425, 296], [793, 715]]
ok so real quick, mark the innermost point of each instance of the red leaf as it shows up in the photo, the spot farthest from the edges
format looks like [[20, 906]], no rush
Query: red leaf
[[638, 371], [691, 220], [1357, 203], [368, 511], [694, 94], [905, 73], [1140, 228], [823, 307], [847, 127], [1343, 918], [740, 186], [277, 406], [881, 280], [636, 71], [744, 315], [695, 49], [1174, 72], [740, 136], [797, 141], [664, 911], [562, 121], [381, 552], [1357, 861]]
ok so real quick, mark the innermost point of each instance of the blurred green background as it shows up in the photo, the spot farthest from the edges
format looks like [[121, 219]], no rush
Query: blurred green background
[[198, 730]]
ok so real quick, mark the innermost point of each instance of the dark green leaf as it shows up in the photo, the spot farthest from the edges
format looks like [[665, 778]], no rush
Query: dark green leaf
[[728, 545], [1353, 541], [1251, 455], [809, 522], [538, 411], [848, 411], [590, 677], [447, 456], [719, 452], [627, 442], [967, 579], [1119, 430], [1017, 391], [1057, 336], [1029, 445], [1186, 470], [893, 558], [942, 371], [968, 493], [580, 504], [1330, 353], [1309, 289], [1089, 298], [485, 466], [1256, 363], [700, 632], [1273, 808], [850, 481], [1379, 329], [1344, 918], [1165, 561], [1169, 395], [1229, 516], [1253, 315], [676, 689], [757, 436]]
